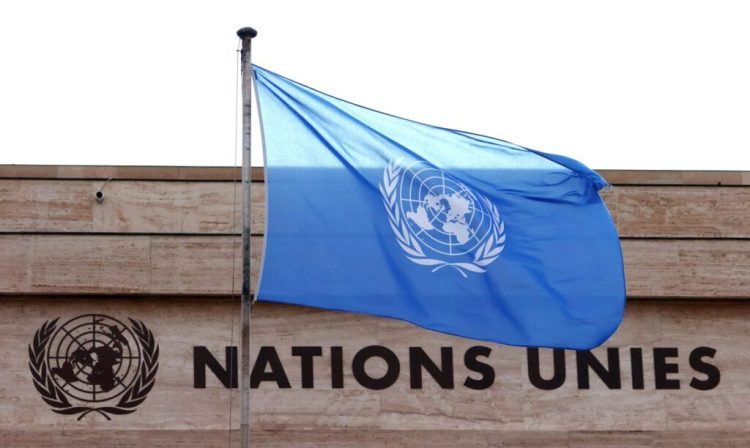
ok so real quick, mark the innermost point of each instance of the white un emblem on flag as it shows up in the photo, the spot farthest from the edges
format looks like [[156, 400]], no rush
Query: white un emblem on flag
[[437, 219]]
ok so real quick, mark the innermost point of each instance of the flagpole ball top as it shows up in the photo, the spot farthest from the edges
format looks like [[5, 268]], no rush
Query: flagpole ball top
[[247, 32]]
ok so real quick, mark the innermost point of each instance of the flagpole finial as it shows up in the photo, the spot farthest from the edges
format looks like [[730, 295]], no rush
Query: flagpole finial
[[247, 32]]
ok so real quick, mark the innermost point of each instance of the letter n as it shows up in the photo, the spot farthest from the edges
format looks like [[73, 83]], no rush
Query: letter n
[[202, 358]]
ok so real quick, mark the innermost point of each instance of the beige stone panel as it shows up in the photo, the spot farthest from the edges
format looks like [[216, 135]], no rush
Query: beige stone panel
[[15, 263], [526, 439], [405, 409], [29, 171], [687, 268], [89, 264], [585, 409], [166, 207], [87, 172], [201, 265], [705, 212], [32, 205], [195, 265], [709, 410], [614, 439], [702, 438], [314, 409]]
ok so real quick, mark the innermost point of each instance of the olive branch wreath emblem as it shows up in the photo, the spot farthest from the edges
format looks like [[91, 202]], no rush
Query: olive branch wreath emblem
[[487, 252], [54, 396]]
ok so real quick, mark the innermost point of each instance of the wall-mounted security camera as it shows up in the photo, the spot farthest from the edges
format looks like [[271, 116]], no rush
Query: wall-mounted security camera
[[99, 195]]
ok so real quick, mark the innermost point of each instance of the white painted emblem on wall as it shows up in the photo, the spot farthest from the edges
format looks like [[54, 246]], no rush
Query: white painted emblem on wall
[[438, 220]]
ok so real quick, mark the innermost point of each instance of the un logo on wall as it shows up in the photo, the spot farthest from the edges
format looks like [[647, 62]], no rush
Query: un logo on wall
[[438, 220], [93, 363]]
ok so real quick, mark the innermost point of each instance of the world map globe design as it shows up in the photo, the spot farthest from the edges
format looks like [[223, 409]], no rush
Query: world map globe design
[[442, 212], [94, 358]]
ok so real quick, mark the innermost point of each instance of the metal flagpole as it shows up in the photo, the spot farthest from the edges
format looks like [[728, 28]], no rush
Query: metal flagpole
[[246, 35]]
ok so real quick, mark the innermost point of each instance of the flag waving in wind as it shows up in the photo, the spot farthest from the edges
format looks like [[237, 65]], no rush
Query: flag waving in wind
[[452, 231]]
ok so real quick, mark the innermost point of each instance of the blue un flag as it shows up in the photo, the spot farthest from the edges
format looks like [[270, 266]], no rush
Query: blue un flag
[[452, 231]]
